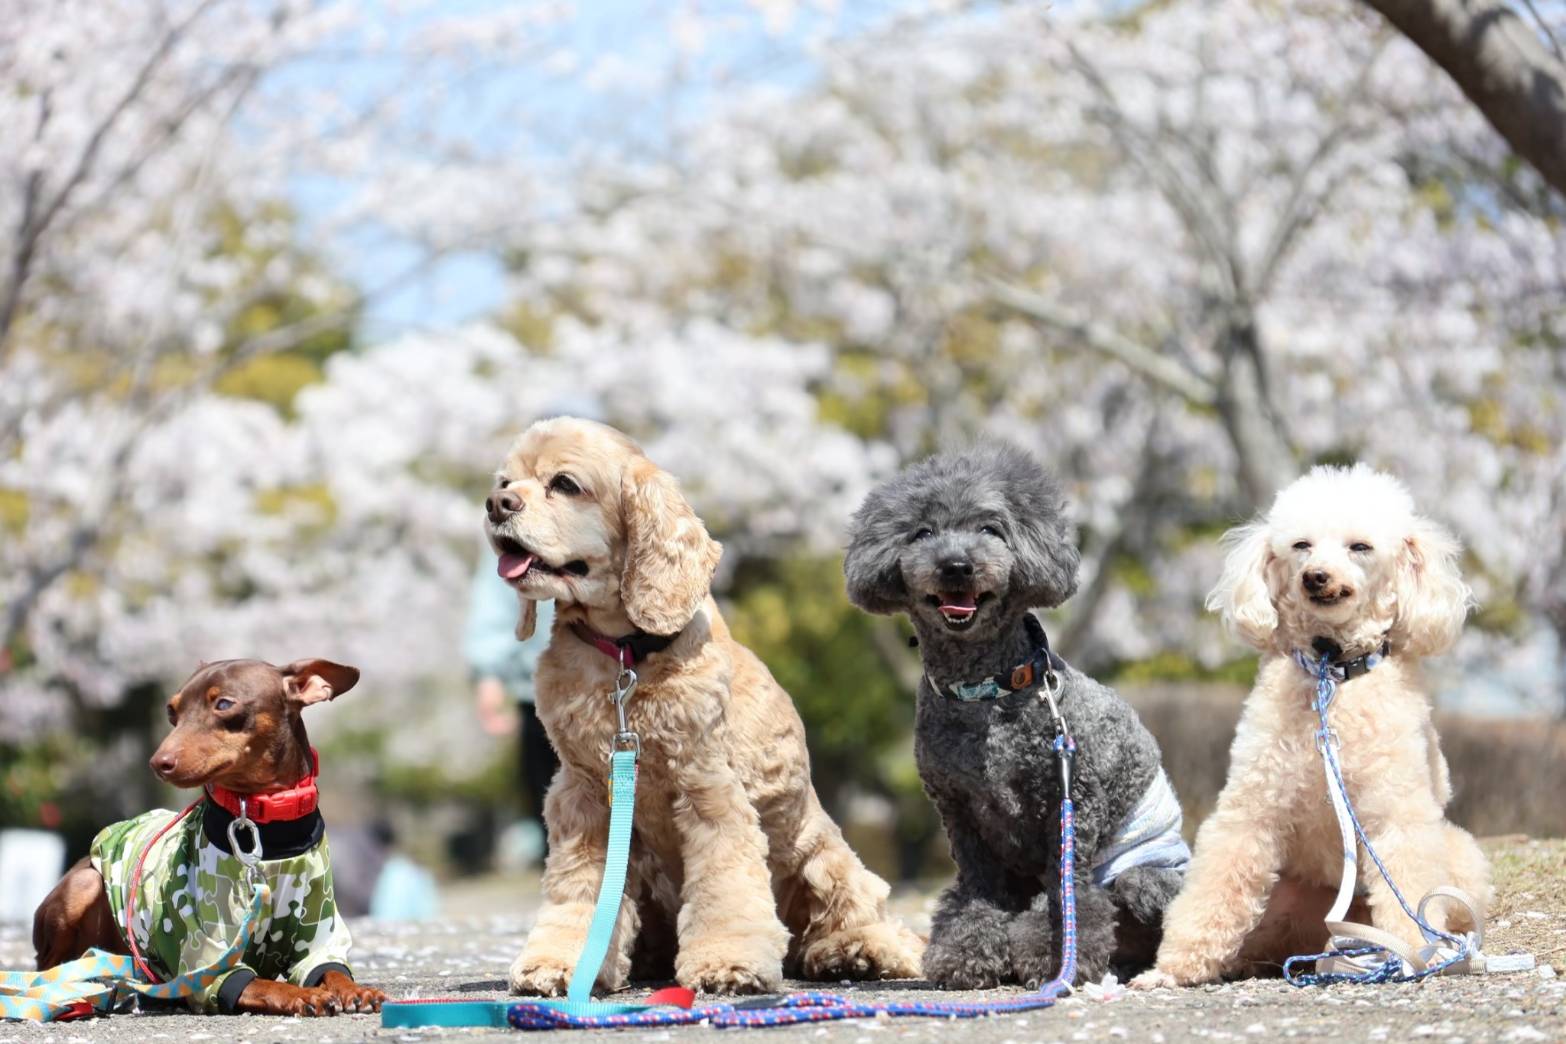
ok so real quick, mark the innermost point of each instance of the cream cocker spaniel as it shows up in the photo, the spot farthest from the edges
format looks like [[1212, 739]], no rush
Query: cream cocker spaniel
[[736, 871]]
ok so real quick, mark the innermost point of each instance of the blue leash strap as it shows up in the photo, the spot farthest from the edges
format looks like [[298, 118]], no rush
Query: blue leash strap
[[1391, 968], [622, 808]]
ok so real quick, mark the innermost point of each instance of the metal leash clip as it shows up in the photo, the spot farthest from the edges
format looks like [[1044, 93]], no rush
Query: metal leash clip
[[249, 858], [624, 737], [1065, 746]]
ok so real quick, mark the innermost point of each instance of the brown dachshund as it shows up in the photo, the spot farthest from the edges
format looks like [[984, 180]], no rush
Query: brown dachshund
[[239, 735]]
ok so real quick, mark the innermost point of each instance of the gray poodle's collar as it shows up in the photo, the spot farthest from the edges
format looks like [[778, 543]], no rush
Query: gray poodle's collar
[[1042, 666]]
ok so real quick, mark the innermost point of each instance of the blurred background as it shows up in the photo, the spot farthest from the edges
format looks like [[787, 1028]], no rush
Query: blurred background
[[279, 279]]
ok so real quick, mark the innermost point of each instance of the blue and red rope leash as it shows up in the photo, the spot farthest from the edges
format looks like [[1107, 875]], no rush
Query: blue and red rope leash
[[578, 1011]]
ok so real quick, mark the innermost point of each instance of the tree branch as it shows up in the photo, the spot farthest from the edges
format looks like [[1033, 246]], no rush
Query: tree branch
[[1097, 337], [1503, 67]]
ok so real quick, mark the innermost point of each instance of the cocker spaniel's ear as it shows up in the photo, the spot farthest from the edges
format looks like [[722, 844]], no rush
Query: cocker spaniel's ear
[[669, 558], [872, 566], [527, 621], [1432, 599], [1243, 595]]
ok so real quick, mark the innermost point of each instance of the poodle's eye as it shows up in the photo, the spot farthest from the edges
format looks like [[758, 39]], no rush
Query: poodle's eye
[[1360, 546], [564, 484], [922, 533], [992, 530], [1302, 545]]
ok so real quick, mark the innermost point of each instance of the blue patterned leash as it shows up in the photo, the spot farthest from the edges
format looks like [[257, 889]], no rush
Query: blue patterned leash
[[1393, 966]]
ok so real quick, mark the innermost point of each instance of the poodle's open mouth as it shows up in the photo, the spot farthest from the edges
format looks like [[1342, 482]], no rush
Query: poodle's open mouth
[[517, 562], [1331, 599], [959, 608]]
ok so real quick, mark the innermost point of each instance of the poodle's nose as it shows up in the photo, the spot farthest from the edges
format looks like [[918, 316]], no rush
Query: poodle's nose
[[1316, 579], [501, 504], [956, 569]]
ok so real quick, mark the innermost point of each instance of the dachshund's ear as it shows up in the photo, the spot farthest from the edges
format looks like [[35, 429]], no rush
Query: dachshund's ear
[[527, 620], [669, 558], [314, 681], [1242, 594], [872, 566], [1432, 599]]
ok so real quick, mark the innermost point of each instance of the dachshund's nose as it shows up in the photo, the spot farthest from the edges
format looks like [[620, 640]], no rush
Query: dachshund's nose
[[164, 765], [1316, 579], [955, 569], [502, 504]]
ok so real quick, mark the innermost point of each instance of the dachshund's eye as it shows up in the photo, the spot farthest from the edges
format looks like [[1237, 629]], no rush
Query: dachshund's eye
[[564, 484], [1302, 545], [173, 718], [223, 704], [922, 533], [1360, 546], [992, 530]]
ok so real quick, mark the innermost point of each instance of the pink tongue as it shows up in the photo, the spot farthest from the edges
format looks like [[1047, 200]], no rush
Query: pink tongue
[[513, 566], [958, 604]]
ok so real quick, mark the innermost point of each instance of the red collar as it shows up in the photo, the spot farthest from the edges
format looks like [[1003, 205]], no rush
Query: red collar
[[275, 806], [627, 651]]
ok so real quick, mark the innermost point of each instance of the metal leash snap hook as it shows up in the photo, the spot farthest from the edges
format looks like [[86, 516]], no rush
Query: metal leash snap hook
[[624, 737], [248, 857]]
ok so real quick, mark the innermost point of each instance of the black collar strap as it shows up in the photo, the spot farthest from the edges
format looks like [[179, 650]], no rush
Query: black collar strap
[[1025, 675], [1332, 652], [627, 650], [283, 839]]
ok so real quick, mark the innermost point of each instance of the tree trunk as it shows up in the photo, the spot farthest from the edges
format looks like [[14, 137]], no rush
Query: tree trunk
[[1265, 460], [1502, 65]]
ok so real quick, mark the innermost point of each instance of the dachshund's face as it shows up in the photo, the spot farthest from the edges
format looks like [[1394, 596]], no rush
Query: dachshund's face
[[963, 542], [579, 515], [1342, 555]]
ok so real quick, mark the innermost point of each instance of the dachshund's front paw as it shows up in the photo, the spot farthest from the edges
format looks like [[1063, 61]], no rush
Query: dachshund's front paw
[[352, 996], [973, 963], [535, 975]]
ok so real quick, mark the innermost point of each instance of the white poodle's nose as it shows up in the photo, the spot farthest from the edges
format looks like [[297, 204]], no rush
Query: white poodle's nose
[[1316, 579]]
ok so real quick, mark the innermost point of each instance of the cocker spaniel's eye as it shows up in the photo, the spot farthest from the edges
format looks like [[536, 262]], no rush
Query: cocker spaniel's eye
[[992, 530], [1302, 545], [922, 533], [1360, 546], [564, 484]]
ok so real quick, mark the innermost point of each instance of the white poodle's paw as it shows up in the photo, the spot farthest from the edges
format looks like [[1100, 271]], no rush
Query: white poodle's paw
[[540, 976], [1153, 979]]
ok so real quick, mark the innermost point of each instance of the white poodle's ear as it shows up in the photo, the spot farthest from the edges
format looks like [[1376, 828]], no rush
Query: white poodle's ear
[[1242, 595], [1432, 600], [527, 622]]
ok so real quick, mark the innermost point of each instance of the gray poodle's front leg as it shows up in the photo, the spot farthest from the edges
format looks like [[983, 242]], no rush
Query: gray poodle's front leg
[[970, 945], [1035, 934], [1141, 895]]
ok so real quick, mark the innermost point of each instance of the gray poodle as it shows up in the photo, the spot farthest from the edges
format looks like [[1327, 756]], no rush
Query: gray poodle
[[966, 544]]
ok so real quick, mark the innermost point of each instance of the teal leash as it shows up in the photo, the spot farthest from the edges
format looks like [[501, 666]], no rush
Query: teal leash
[[578, 1000]]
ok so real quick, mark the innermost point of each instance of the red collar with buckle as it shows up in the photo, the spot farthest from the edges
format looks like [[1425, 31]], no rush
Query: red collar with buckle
[[276, 806]]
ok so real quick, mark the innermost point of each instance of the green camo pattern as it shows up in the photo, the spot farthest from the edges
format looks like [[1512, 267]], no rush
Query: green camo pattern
[[191, 903]]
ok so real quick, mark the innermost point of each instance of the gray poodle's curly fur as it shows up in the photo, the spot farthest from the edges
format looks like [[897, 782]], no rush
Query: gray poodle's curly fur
[[991, 523]]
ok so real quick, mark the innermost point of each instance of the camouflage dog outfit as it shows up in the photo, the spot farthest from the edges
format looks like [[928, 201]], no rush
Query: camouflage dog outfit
[[192, 900]]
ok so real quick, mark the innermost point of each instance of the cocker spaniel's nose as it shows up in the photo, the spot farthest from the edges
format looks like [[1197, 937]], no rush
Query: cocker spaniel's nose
[[1316, 579], [502, 504], [956, 569]]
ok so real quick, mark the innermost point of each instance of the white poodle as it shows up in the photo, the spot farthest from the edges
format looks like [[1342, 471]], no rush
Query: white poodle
[[1341, 567]]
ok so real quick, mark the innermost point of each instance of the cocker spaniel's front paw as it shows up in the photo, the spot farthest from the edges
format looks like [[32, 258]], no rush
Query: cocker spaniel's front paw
[[973, 961], [1153, 979], [1179, 969], [729, 964], [535, 975], [884, 950]]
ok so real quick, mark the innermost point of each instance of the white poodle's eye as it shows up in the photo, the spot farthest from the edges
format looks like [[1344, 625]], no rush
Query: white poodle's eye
[[1302, 545], [564, 484], [992, 530], [1360, 546], [922, 533]]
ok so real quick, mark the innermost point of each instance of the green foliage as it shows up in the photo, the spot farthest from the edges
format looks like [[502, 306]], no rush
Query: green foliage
[[1171, 666]]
